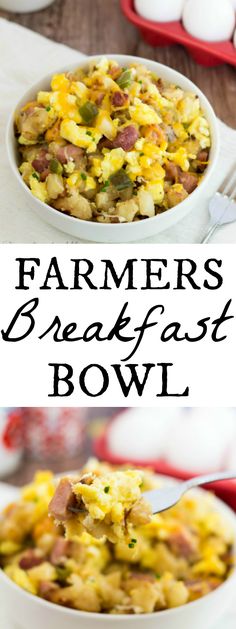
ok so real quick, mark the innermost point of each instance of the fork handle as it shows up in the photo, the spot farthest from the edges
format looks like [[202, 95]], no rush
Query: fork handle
[[208, 478], [209, 233]]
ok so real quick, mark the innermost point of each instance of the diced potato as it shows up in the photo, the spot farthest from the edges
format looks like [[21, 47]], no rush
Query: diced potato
[[146, 596], [26, 170], [156, 190], [176, 594], [127, 209], [76, 205], [104, 200], [146, 203], [106, 126], [55, 185], [176, 194], [39, 189], [44, 572]]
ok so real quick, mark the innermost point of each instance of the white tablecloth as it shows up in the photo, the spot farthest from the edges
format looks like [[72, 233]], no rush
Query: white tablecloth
[[24, 57]]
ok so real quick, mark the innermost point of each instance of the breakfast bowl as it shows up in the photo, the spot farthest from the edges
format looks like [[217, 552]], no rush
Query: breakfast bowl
[[25, 610], [151, 219]]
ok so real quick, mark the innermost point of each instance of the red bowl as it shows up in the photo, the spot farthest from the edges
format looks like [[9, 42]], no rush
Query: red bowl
[[169, 33], [226, 490]]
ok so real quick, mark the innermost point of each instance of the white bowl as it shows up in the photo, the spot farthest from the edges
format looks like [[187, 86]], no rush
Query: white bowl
[[25, 6], [25, 611], [124, 232]]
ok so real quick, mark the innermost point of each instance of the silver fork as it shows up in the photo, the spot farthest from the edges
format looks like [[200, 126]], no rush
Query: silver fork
[[222, 206], [166, 497]]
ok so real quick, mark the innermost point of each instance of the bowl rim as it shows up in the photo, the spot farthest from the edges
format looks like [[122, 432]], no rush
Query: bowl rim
[[162, 68], [66, 611]]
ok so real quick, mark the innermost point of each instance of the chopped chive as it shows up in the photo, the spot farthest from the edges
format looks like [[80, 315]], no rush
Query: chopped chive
[[134, 541], [48, 108], [88, 133], [106, 185], [131, 545], [158, 576], [107, 489], [36, 176], [83, 176]]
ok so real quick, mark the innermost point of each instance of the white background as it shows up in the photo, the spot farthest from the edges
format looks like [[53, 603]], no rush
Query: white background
[[207, 368]]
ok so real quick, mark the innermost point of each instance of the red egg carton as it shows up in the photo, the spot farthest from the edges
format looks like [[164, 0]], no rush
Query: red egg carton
[[169, 33], [225, 490]]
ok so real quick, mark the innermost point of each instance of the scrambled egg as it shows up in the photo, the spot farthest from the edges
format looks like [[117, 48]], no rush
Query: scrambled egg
[[121, 130], [172, 559]]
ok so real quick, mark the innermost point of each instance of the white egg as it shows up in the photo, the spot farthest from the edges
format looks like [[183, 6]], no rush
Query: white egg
[[159, 11], [209, 20], [233, 2], [200, 439], [140, 433]]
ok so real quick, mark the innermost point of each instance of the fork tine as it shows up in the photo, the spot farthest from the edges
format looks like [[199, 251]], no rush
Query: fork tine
[[228, 185], [230, 189]]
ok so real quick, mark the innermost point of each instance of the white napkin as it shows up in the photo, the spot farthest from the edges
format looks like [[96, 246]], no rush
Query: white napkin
[[25, 57]]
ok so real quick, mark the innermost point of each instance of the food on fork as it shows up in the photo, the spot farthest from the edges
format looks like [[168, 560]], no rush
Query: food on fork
[[111, 144], [109, 504], [177, 557]]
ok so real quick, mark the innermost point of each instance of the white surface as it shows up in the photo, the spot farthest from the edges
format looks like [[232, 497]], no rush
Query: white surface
[[17, 222], [209, 20], [124, 232], [159, 11]]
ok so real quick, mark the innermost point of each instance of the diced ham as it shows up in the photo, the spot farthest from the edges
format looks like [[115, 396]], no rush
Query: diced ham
[[115, 72], [172, 172], [104, 143], [155, 134], [62, 501], [100, 98], [41, 161], [189, 181], [126, 138], [202, 158], [203, 155], [67, 153], [47, 589], [30, 560], [183, 544], [119, 99], [44, 174], [159, 83], [60, 551]]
